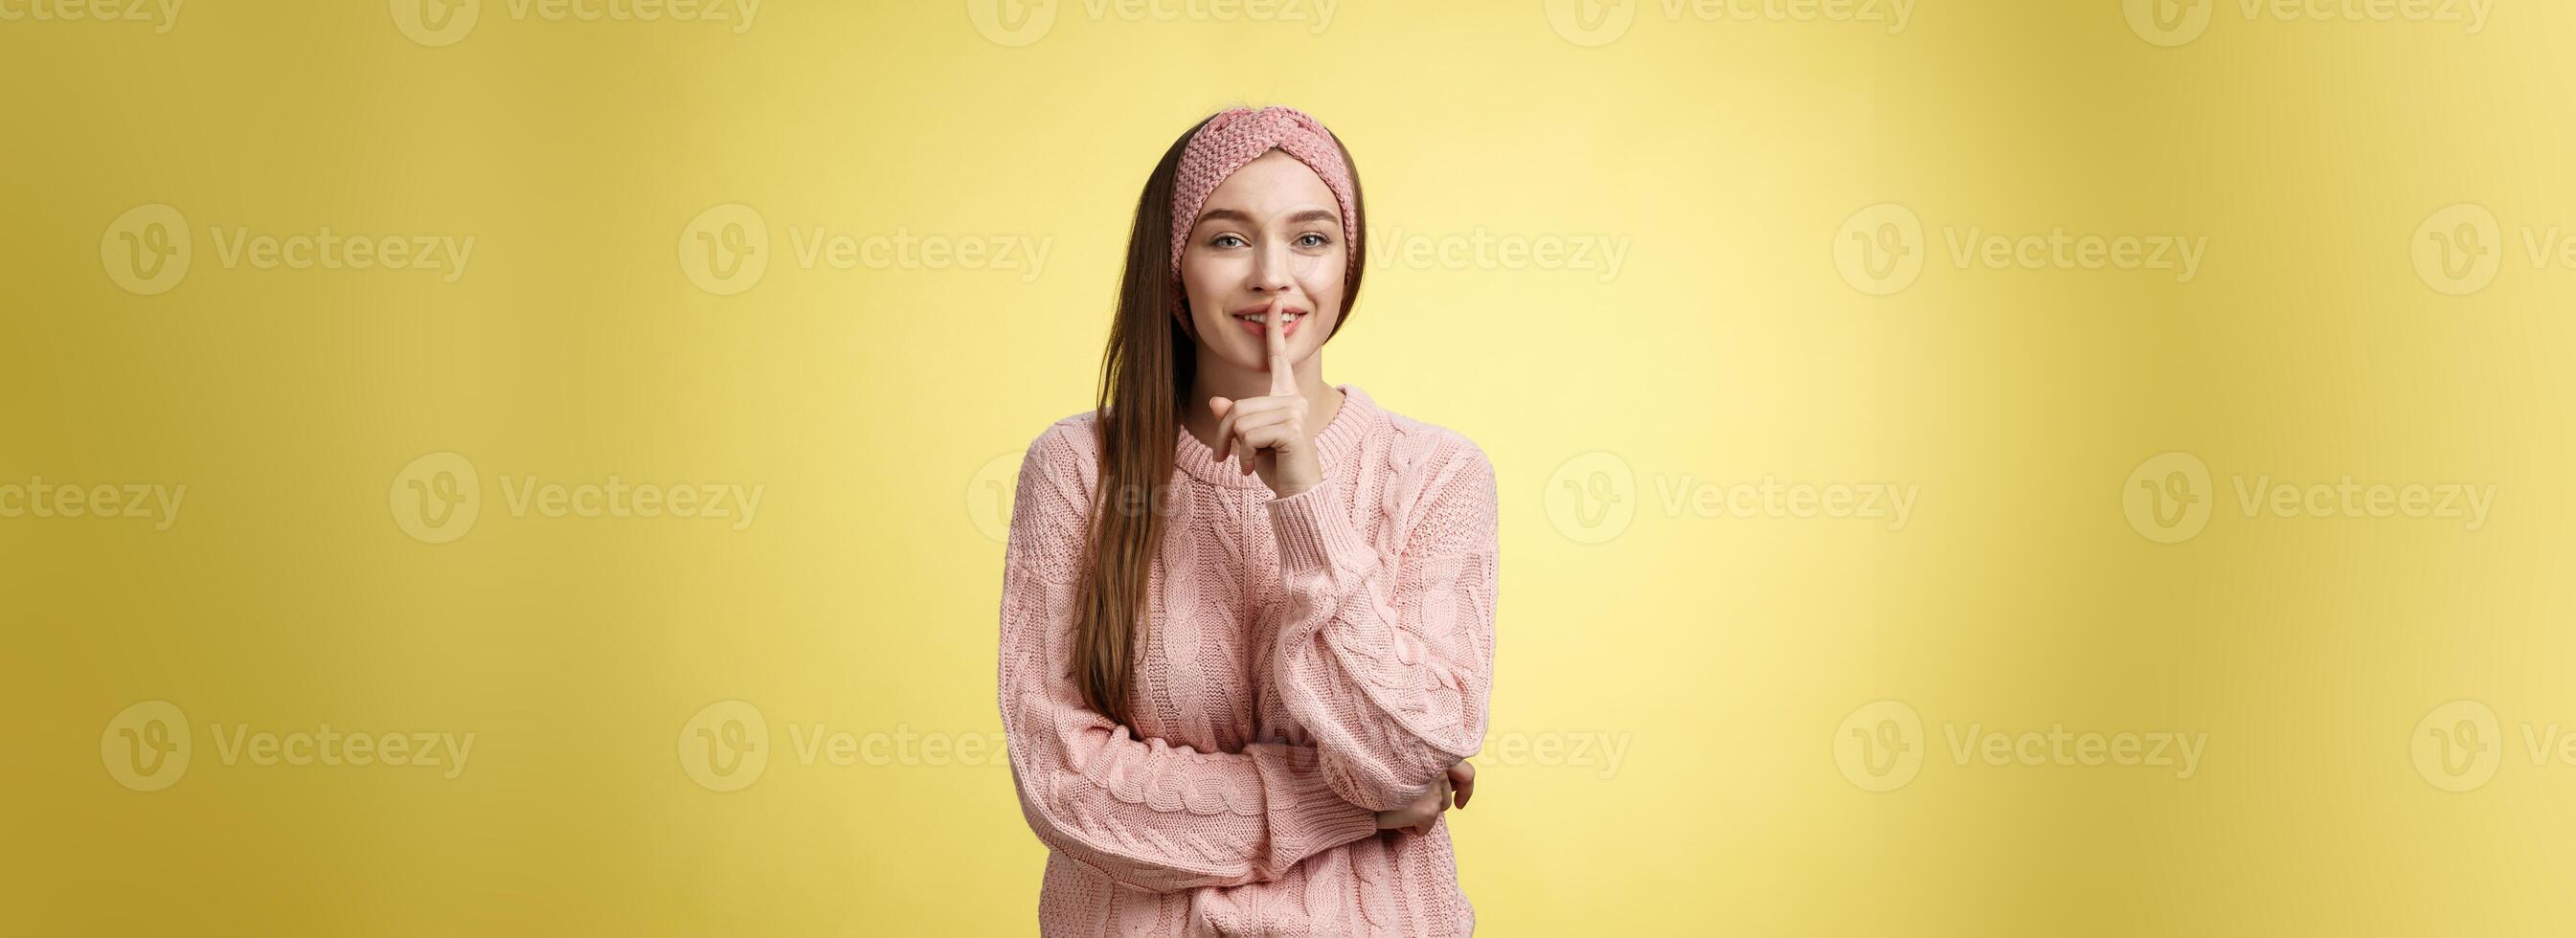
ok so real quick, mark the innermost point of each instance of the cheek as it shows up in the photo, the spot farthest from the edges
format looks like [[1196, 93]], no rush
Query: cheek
[[1196, 285], [1308, 268], [1322, 277]]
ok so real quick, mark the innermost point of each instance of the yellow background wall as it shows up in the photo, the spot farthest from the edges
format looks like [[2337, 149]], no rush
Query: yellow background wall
[[1686, 736]]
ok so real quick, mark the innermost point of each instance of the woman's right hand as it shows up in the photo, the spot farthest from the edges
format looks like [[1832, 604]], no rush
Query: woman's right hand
[[1417, 818]]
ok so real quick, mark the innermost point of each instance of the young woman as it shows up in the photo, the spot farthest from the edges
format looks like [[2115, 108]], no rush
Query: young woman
[[1247, 615]]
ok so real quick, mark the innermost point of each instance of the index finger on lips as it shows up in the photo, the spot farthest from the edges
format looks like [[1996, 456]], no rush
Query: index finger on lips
[[1276, 334]]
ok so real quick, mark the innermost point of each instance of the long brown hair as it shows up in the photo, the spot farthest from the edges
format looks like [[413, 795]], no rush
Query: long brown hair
[[1144, 373]]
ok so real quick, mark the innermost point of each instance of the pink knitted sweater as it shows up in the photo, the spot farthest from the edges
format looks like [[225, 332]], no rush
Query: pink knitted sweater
[[1307, 662]]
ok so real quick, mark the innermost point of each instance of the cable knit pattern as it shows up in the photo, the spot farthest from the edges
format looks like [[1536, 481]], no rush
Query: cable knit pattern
[[1303, 665]]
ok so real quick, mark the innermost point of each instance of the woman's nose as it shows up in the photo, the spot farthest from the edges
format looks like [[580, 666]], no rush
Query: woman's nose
[[1270, 268]]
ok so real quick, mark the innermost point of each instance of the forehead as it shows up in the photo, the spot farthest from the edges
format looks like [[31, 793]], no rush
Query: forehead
[[1273, 182]]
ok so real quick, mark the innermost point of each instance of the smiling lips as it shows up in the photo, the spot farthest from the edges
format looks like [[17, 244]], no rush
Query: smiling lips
[[1251, 319]]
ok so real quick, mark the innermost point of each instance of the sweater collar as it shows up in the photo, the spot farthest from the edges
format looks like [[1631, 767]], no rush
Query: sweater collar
[[1340, 437]]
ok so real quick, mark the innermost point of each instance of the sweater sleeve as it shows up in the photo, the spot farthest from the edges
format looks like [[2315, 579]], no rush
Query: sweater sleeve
[[1387, 661], [1144, 813]]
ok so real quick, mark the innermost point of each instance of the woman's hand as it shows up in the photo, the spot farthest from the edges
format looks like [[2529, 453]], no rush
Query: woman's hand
[[1272, 429], [1460, 782], [1417, 817]]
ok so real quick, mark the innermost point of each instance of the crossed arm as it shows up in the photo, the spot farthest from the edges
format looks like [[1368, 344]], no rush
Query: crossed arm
[[1388, 663], [1394, 699]]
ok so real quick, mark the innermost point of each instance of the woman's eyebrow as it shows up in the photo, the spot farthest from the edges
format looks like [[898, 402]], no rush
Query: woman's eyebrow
[[1227, 214], [1313, 214]]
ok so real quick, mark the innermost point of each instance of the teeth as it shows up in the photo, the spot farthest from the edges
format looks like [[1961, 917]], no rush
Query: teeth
[[1264, 318]]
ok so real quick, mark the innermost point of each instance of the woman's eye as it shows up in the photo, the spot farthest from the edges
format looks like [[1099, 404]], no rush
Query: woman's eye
[[1313, 240], [1226, 241]]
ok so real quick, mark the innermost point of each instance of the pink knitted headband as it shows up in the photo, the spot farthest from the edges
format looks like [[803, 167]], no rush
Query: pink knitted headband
[[1236, 137]]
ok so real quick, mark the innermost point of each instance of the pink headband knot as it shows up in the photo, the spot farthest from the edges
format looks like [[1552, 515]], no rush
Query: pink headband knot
[[1238, 136]]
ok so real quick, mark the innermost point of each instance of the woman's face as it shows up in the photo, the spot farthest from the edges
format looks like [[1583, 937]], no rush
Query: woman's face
[[1271, 230]]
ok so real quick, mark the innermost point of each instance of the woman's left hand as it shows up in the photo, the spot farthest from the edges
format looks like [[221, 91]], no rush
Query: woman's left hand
[[1272, 429], [1462, 782]]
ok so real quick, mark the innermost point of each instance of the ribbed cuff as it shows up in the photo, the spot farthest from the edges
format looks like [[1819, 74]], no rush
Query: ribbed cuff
[[1314, 531], [1306, 816]]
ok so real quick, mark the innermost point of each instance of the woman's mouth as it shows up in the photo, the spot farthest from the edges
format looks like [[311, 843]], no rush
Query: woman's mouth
[[1254, 323]]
